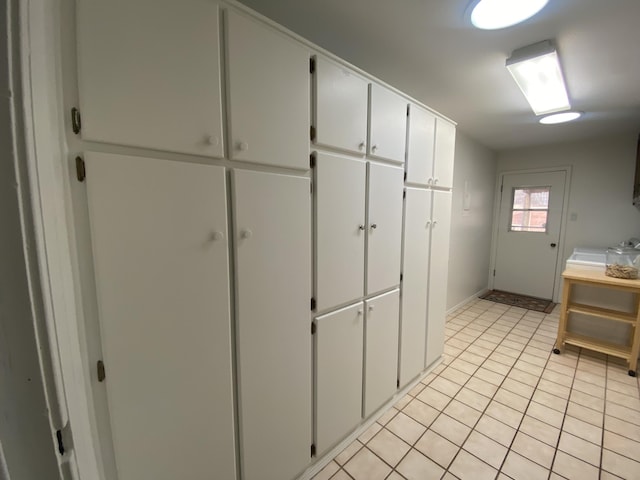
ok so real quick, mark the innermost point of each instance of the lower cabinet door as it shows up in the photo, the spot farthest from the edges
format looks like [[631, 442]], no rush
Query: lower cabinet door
[[338, 348], [272, 240], [160, 250], [381, 350]]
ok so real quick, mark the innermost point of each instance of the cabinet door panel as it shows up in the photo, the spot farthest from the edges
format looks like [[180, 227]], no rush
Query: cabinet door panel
[[381, 350], [384, 238], [420, 147], [149, 74], [387, 124], [444, 153], [273, 280], [340, 107], [415, 281], [339, 355], [438, 274], [268, 84], [162, 278], [340, 212]]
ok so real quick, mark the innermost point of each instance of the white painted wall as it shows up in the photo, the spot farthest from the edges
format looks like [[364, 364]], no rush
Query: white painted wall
[[471, 228], [601, 187]]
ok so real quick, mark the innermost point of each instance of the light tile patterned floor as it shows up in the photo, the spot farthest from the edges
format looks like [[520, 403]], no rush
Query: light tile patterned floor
[[501, 405]]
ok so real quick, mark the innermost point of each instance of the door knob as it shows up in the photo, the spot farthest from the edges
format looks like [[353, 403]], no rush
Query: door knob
[[553, 245]]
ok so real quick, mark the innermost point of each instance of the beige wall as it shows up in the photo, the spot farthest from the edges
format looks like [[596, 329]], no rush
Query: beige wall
[[471, 229]]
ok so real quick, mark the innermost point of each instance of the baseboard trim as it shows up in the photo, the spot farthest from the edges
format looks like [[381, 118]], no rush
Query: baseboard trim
[[467, 300]]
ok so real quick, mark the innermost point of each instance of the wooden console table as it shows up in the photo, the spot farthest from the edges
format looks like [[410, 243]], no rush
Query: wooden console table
[[598, 279]]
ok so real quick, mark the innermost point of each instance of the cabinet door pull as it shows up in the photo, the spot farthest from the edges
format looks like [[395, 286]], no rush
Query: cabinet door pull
[[361, 227], [374, 225]]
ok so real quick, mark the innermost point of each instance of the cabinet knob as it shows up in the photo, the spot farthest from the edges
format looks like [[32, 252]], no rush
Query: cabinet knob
[[215, 236], [360, 227], [359, 312], [435, 180], [242, 146], [370, 308], [433, 224], [374, 225], [212, 140], [430, 181], [374, 148], [246, 233], [428, 225], [361, 146]]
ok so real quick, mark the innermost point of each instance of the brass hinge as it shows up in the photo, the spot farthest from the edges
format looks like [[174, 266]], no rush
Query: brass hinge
[[76, 121]]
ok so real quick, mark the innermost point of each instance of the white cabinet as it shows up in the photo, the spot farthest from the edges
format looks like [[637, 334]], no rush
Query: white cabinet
[[387, 124], [149, 74], [444, 153], [339, 188], [420, 146], [415, 280], [162, 278], [381, 350], [268, 94], [384, 227], [438, 274], [272, 240], [340, 113], [339, 355]]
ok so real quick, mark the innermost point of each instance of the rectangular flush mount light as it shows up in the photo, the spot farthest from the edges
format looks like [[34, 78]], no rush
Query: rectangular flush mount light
[[536, 70]]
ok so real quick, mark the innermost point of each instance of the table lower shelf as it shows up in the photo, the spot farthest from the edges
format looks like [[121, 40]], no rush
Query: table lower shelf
[[621, 351]]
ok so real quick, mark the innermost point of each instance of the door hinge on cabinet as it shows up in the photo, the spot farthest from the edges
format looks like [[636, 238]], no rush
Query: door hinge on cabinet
[[76, 121], [501, 187], [312, 65], [313, 449], [398, 383], [313, 304], [61, 449], [312, 159], [312, 132], [494, 273], [404, 194], [401, 276], [313, 328], [405, 176], [408, 110], [81, 171], [101, 371]]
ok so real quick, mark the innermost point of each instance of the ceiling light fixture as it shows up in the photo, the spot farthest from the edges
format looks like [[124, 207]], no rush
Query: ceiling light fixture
[[560, 118], [536, 70], [496, 14]]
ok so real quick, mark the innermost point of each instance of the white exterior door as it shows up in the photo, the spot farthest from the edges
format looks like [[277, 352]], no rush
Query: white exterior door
[[341, 98], [339, 355], [421, 138], [162, 279], [444, 149], [384, 227], [149, 74], [340, 194], [381, 350], [272, 238], [415, 281], [387, 124], [268, 86], [530, 219], [438, 274]]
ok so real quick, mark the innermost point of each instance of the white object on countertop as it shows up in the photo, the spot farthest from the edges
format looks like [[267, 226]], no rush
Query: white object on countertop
[[586, 258]]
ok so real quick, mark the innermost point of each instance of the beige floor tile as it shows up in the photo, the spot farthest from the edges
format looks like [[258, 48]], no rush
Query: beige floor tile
[[495, 429], [607, 476], [590, 377], [416, 390], [545, 414], [463, 413], [585, 414], [511, 399], [523, 377], [561, 368], [622, 466], [457, 343], [539, 430], [551, 401], [394, 476], [624, 413], [533, 449], [624, 400], [466, 465], [579, 448], [484, 343], [369, 433], [505, 414], [472, 357], [342, 475], [346, 454], [449, 476], [533, 359], [367, 466], [501, 368], [478, 350], [558, 378], [528, 367], [464, 366], [588, 388], [621, 445], [433, 397], [554, 388], [445, 386], [451, 429], [327, 472], [516, 466], [624, 388], [456, 376], [388, 447], [416, 466], [387, 416], [437, 448], [421, 412], [406, 428], [485, 449], [489, 376], [573, 468], [508, 351], [537, 352], [404, 401], [622, 427], [472, 399], [518, 387], [583, 430]]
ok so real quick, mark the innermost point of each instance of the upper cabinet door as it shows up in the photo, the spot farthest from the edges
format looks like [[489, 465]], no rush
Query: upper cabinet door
[[387, 124], [422, 126], [340, 107], [149, 74], [268, 85], [445, 148], [272, 240], [384, 228], [160, 251], [340, 187]]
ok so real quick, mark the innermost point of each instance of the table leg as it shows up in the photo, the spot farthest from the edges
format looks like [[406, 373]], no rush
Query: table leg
[[562, 324], [635, 345]]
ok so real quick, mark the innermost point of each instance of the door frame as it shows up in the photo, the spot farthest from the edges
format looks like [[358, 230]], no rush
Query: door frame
[[557, 287]]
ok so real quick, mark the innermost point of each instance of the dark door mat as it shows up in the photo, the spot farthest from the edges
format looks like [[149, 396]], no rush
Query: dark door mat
[[522, 301]]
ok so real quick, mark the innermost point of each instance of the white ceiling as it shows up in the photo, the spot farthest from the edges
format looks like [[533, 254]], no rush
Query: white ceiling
[[427, 49]]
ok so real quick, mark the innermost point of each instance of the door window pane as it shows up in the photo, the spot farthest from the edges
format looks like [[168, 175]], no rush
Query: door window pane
[[529, 209]]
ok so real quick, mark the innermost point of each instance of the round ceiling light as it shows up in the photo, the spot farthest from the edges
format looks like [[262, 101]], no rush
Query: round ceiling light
[[496, 14], [560, 117]]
